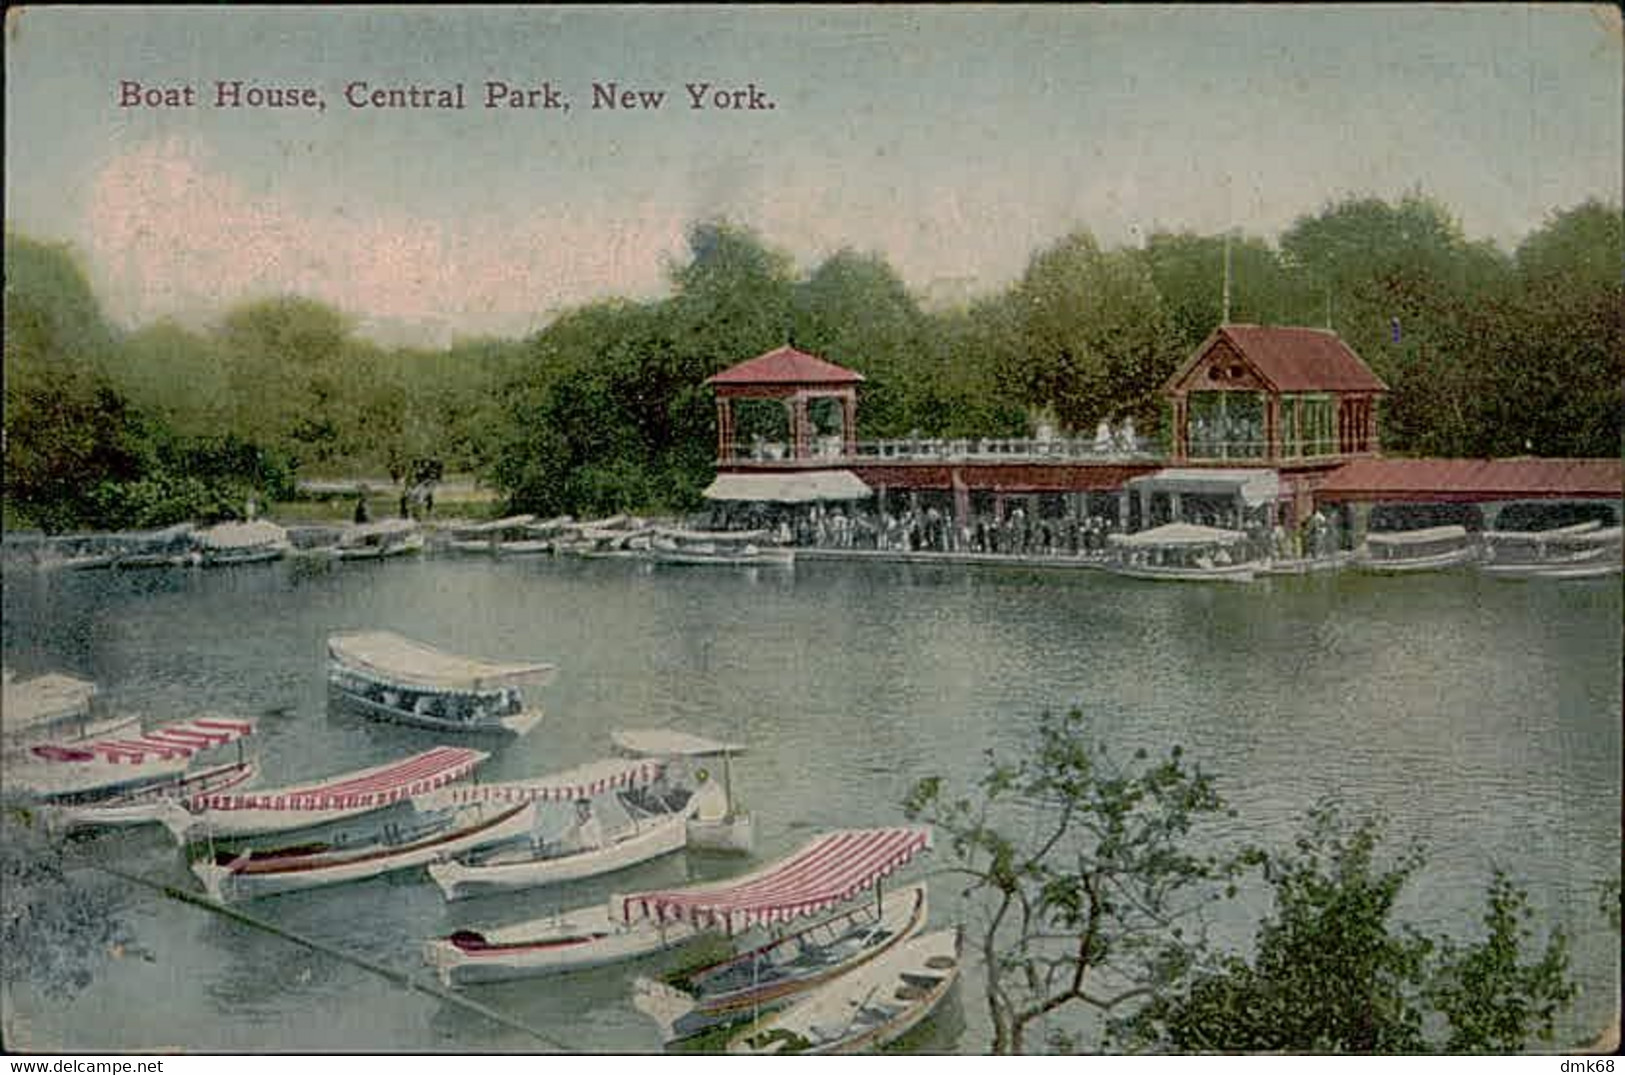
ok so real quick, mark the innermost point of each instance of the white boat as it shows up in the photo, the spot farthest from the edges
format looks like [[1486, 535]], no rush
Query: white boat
[[487, 537], [866, 1009], [88, 769], [236, 815], [170, 547], [150, 803], [53, 706], [375, 541], [1306, 565], [617, 537], [231, 876], [1584, 550], [1182, 552], [732, 547], [654, 827], [717, 822], [782, 970], [386, 676], [1434, 548], [824, 874], [241, 543]]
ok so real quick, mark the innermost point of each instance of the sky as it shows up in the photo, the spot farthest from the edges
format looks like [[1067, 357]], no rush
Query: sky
[[954, 141]]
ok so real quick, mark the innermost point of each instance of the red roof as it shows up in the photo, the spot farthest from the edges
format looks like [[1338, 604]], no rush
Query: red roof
[[1294, 359], [1489, 479], [786, 366]]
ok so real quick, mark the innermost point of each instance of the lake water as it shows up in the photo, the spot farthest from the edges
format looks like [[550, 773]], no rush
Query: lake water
[[1479, 716]]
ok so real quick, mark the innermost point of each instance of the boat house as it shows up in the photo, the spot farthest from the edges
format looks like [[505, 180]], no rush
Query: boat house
[[1267, 426]]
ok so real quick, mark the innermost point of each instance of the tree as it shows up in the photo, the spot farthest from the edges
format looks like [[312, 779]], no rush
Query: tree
[[1331, 972], [1090, 908]]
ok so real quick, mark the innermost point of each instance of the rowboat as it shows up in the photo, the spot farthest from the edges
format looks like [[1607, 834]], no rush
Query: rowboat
[[170, 547], [375, 541], [617, 537], [1434, 548], [866, 1009], [780, 971], [1584, 550], [149, 803], [234, 815], [729, 547], [89, 769], [716, 821], [824, 874], [1306, 565], [386, 676], [653, 829], [241, 543], [230, 876], [1182, 552], [489, 537]]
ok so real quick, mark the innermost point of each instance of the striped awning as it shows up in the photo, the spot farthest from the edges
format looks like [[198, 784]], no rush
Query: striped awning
[[583, 782], [378, 786], [828, 871], [161, 744]]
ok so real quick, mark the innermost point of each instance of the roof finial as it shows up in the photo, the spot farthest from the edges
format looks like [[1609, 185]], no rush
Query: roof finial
[[1225, 319]]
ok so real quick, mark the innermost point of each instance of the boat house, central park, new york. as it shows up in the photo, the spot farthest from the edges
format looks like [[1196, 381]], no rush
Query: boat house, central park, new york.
[[1270, 431]]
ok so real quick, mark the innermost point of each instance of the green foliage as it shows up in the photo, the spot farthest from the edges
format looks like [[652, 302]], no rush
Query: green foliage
[[1084, 870], [1331, 972]]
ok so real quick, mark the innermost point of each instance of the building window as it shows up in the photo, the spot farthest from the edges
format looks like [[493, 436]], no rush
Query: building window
[[1226, 425]]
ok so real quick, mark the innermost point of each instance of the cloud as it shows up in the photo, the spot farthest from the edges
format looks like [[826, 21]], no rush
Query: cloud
[[171, 234]]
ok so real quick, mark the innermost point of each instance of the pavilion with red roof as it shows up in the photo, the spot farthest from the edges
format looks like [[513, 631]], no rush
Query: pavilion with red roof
[[797, 379]]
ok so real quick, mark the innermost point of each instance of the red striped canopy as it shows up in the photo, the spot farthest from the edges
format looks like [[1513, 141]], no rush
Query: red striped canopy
[[830, 870], [161, 744], [379, 786], [582, 782]]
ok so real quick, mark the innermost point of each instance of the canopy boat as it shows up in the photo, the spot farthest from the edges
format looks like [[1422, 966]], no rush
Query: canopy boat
[[53, 706], [496, 535], [1182, 552], [151, 802], [1433, 548], [716, 822], [1307, 565], [1584, 550], [657, 826], [778, 972], [241, 543], [617, 537], [824, 874], [671, 546], [88, 769], [228, 876], [866, 1009], [339, 798], [374, 541], [386, 676]]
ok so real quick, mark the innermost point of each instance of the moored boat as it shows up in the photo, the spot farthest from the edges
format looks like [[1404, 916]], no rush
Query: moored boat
[[150, 803], [655, 826], [727, 547], [824, 874], [1584, 550], [43, 708], [785, 968], [88, 769], [489, 537], [1306, 565], [376, 541], [1433, 548], [241, 543], [1182, 552], [867, 1009], [229, 876], [236, 815], [716, 822], [387, 676]]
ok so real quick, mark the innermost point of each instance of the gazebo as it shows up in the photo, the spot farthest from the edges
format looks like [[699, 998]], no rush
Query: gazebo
[[797, 379]]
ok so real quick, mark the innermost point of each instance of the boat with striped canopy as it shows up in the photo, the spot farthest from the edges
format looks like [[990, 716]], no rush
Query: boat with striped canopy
[[824, 874], [656, 818], [387, 676], [232, 815], [867, 1009], [85, 769]]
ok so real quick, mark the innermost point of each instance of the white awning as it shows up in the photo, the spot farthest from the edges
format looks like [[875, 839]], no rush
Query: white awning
[[44, 700], [389, 656], [1255, 487], [799, 487], [1417, 537], [1183, 534], [667, 743]]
